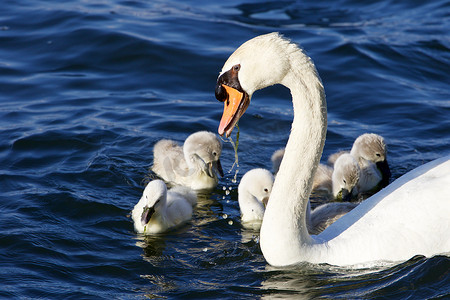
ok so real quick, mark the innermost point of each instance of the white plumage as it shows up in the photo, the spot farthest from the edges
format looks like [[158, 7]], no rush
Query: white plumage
[[195, 165], [407, 218], [160, 210], [254, 192], [370, 151]]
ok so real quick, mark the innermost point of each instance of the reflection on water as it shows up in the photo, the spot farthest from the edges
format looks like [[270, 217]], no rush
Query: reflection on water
[[384, 279], [250, 233], [310, 280], [153, 246], [285, 282]]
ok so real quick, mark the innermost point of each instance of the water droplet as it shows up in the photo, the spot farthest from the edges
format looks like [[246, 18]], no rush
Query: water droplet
[[227, 192], [205, 249], [230, 222], [224, 216]]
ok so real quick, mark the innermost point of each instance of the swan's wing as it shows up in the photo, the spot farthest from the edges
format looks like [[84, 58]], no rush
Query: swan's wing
[[186, 193], [179, 210], [168, 161], [326, 214]]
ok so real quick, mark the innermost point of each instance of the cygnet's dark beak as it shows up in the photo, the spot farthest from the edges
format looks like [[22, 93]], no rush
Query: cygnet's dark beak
[[383, 166], [215, 167], [344, 195], [147, 214], [219, 168]]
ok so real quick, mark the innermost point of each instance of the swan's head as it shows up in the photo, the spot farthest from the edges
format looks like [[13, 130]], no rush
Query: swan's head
[[154, 197], [371, 147], [260, 62], [258, 183], [345, 176], [203, 149]]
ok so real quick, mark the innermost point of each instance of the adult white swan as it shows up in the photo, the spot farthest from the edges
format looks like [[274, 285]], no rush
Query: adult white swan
[[411, 216]]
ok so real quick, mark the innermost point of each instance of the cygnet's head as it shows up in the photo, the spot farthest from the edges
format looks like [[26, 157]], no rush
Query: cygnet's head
[[204, 148], [371, 147], [345, 176], [155, 197], [258, 183]]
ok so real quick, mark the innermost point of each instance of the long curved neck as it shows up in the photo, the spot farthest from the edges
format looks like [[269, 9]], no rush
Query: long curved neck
[[284, 234]]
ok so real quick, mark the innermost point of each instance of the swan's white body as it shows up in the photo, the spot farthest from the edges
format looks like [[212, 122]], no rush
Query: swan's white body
[[169, 208], [194, 165], [253, 193], [409, 217]]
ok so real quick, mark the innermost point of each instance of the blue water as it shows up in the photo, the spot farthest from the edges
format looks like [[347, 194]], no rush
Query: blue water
[[88, 87]]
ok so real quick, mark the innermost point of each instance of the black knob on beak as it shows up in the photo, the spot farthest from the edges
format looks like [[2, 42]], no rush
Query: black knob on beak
[[221, 93]]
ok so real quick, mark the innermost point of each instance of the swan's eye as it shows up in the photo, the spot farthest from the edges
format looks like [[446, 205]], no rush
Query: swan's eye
[[236, 67], [266, 190]]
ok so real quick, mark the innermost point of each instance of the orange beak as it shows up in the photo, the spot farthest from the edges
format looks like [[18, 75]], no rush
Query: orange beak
[[234, 108]]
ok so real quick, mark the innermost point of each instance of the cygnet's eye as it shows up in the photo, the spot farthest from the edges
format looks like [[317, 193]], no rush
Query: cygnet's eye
[[215, 153], [345, 181], [378, 154]]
